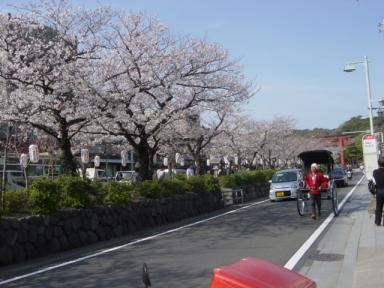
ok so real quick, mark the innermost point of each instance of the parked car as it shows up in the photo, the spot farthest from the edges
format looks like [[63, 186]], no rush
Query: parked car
[[95, 174], [124, 175], [339, 177], [285, 184]]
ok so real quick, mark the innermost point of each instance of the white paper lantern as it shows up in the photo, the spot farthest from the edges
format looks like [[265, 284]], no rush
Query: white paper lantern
[[177, 157], [24, 160], [165, 161], [34, 155], [97, 161], [182, 162], [226, 161], [124, 158], [208, 162], [84, 156], [236, 160]]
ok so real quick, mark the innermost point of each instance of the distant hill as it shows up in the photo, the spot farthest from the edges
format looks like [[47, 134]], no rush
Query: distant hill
[[353, 153], [356, 123], [317, 132]]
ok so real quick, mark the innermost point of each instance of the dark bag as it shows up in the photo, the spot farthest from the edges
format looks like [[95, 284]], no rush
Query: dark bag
[[372, 187]]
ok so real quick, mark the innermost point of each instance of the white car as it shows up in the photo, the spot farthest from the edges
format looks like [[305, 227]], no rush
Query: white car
[[124, 175], [94, 174], [285, 184]]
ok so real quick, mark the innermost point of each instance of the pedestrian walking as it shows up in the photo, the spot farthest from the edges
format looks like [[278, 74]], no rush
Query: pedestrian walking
[[190, 172], [136, 178], [378, 177], [161, 173], [314, 181]]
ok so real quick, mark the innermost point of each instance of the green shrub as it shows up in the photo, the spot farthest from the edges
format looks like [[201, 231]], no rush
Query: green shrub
[[212, 184], [169, 187], [97, 193], [44, 196], [245, 178], [269, 173], [197, 184], [203, 184], [227, 181], [149, 189], [257, 177], [15, 200], [76, 192], [181, 177], [118, 192]]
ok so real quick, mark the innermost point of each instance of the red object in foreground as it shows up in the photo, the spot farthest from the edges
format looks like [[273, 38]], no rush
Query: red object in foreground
[[258, 273]]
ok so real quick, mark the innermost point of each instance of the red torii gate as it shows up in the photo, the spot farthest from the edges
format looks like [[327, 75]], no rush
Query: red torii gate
[[339, 141]]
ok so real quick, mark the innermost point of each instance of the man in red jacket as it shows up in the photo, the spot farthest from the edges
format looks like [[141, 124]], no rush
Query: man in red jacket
[[314, 181]]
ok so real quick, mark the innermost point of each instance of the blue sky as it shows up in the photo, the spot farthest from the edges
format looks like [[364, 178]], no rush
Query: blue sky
[[294, 50]]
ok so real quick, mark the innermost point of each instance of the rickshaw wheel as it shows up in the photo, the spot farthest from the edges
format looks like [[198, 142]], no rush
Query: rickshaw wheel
[[335, 201], [301, 202]]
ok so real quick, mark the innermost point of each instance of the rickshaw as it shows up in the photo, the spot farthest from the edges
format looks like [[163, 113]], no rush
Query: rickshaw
[[325, 160]]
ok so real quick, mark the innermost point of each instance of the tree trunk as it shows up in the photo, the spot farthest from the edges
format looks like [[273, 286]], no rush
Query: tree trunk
[[145, 158], [67, 159], [3, 182], [199, 162]]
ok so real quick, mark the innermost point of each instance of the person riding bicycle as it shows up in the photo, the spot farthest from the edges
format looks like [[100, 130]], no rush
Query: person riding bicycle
[[315, 181]]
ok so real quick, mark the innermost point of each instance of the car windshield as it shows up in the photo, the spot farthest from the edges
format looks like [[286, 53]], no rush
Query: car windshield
[[101, 174], [280, 177], [338, 172], [126, 175]]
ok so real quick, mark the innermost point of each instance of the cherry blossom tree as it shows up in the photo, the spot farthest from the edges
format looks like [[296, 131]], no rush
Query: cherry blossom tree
[[253, 140], [148, 78], [46, 52], [193, 135]]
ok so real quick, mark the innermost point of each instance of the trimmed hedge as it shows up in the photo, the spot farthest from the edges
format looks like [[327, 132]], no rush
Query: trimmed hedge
[[15, 201], [118, 192], [46, 196], [75, 192], [245, 178], [203, 184]]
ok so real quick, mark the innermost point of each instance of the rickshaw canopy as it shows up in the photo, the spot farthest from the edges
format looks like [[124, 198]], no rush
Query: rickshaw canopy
[[316, 156]]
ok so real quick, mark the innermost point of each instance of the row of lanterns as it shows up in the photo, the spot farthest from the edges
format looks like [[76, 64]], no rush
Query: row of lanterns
[[33, 156], [84, 156]]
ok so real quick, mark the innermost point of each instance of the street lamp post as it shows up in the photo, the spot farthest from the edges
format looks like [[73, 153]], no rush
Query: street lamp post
[[350, 68]]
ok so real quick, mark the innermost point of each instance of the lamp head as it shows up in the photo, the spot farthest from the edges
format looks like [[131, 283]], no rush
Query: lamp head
[[349, 68]]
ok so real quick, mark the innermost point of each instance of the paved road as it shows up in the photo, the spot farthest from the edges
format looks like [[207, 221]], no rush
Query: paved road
[[185, 258]]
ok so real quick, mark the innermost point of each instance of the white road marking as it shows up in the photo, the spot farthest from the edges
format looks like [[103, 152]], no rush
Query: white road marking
[[307, 244], [102, 252]]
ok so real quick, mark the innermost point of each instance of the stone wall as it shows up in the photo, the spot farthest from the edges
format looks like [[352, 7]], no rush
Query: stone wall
[[34, 236], [256, 191]]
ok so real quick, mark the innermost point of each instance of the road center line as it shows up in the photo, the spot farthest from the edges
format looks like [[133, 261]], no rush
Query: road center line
[[105, 251], [307, 244]]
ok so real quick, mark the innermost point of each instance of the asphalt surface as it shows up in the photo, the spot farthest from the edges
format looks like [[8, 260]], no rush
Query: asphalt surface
[[186, 257]]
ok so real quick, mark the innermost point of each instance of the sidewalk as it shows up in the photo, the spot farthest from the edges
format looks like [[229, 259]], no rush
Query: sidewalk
[[351, 253]]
